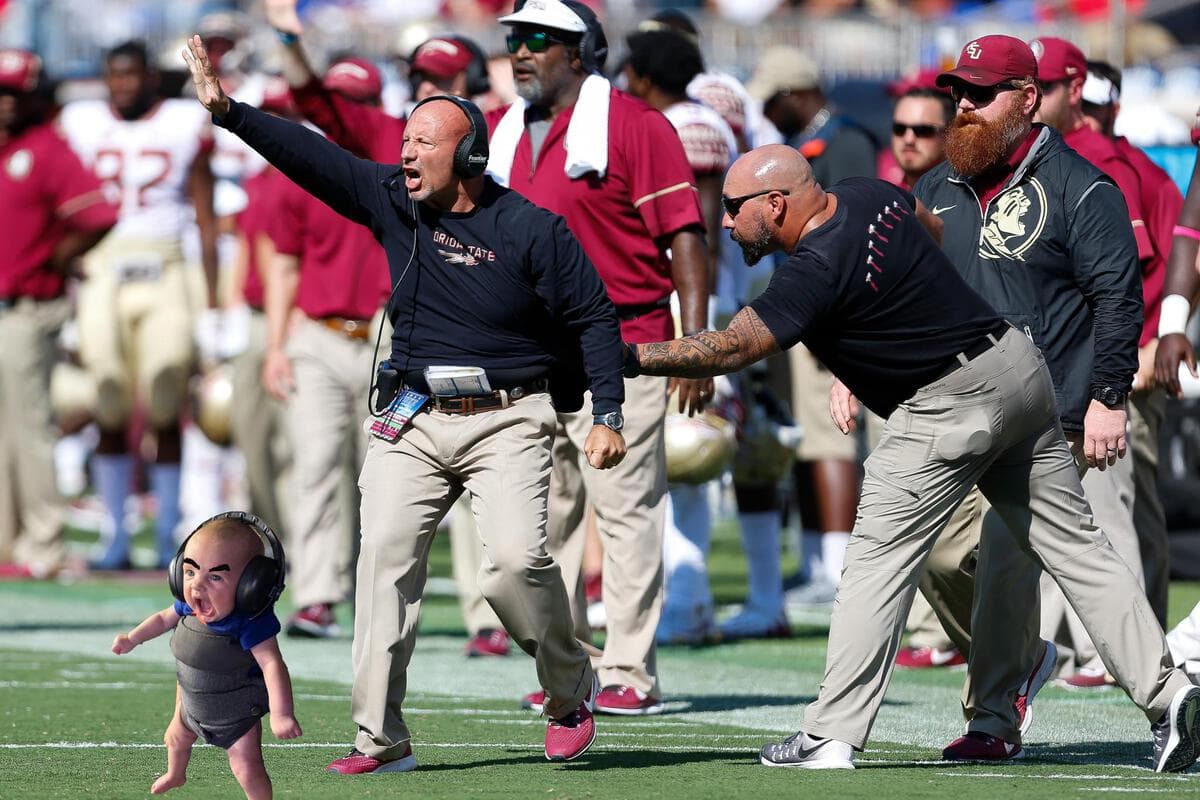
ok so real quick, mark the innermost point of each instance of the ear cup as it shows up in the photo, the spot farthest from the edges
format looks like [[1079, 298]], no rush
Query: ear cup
[[593, 45], [175, 572], [259, 586], [477, 73]]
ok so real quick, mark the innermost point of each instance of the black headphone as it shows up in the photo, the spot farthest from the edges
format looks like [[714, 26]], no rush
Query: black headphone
[[262, 579], [477, 71], [593, 45], [471, 155]]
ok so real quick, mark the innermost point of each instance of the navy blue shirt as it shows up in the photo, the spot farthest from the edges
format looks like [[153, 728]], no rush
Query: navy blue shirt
[[249, 632], [505, 287], [871, 294]]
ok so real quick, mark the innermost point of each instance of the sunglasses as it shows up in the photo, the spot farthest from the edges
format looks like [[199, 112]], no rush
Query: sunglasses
[[536, 42], [733, 205], [919, 131], [979, 95]]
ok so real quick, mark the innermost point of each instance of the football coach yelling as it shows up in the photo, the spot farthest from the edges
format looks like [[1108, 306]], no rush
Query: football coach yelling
[[497, 315]]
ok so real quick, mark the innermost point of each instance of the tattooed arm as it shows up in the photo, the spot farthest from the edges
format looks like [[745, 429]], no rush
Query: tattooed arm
[[745, 341]]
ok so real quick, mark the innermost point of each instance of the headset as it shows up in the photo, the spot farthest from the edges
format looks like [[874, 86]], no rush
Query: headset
[[593, 46], [262, 579], [477, 71], [471, 155]]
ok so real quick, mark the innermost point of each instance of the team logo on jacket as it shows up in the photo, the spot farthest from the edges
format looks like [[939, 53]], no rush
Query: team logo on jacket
[[1015, 220], [19, 165]]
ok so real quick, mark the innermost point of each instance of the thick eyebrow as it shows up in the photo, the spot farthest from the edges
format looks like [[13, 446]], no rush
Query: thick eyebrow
[[217, 568]]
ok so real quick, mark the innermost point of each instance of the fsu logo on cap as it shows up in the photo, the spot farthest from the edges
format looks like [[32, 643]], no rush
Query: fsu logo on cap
[[973, 50]]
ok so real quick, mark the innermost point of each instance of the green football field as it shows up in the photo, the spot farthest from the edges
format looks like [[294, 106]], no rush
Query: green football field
[[79, 722]]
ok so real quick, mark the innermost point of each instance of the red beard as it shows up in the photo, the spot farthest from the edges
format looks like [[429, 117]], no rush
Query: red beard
[[975, 145]]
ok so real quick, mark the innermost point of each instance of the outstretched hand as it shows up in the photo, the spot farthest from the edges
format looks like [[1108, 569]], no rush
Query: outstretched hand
[[204, 78]]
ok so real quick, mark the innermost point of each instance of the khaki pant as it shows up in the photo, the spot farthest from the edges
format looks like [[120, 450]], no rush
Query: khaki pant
[[466, 554], [992, 422], [1146, 412], [630, 505], [502, 459], [135, 329], [31, 510], [331, 373], [258, 432]]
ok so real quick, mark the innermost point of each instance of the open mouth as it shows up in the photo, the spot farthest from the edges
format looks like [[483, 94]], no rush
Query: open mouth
[[412, 179]]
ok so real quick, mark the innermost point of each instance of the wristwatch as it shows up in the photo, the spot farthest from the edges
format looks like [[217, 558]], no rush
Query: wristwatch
[[1109, 396], [614, 420]]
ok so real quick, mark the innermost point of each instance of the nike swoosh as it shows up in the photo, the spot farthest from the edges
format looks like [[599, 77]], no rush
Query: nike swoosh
[[939, 210]]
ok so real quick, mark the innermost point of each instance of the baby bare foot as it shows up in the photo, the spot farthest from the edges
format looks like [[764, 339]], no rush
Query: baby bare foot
[[167, 782]]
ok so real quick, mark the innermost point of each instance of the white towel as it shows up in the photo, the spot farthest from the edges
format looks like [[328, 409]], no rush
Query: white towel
[[587, 134]]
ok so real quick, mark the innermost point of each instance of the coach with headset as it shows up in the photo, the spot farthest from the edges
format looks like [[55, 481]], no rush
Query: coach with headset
[[482, 278]]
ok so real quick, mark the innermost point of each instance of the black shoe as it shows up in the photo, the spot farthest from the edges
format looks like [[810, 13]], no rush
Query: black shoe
[[1177, 734]]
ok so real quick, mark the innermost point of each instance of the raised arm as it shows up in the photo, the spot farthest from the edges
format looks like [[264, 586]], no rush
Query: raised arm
[[351, 186], [746, 340], [153, 626]]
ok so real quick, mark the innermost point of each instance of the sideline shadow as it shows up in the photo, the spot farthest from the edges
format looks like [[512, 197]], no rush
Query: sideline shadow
[[596, 760]]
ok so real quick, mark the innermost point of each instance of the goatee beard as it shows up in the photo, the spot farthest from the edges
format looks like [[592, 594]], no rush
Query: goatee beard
[[758, 245], [974, 145], [531, 91]]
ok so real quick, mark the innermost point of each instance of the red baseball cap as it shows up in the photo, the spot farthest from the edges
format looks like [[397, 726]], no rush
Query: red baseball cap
[[20, 70], [441, 58], [356, 78], [989, 60], [1058, 59], [922, 79]]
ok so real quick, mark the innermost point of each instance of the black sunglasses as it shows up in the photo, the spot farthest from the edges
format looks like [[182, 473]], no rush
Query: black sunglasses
[[733, 205], [536, 42], [919, 131], [979, 95]]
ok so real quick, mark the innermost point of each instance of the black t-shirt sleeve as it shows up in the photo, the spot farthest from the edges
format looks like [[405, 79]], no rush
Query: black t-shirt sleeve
[[801, 293]]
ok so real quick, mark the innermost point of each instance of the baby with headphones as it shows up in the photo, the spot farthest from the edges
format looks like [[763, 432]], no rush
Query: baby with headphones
[[229, 668]]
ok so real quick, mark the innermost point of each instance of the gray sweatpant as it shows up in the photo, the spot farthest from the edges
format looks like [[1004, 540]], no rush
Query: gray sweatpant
[[992, 422]]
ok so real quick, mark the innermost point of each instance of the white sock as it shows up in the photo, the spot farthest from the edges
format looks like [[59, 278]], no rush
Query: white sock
[[760, 543], [814, 563], [685, 548], [833, 553]]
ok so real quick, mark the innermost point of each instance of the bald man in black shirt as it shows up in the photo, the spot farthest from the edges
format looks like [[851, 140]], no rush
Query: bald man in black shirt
[[968, 400]]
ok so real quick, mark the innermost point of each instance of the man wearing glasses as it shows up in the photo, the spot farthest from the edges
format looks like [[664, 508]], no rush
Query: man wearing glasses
[[1045, 237], [918, 126], [616, 170], [968, 400]]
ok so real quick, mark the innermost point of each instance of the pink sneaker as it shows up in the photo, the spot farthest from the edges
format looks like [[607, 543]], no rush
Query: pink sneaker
[[534, 701], [1087, 678], [358, 763], [928, 658], [313, 622], [1033, 684], [627, 701], [569, 737], [976, 746], [488, 642]]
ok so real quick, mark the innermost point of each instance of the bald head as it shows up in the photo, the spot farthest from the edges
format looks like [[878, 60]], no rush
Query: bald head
[[772, 166], [443, 118]]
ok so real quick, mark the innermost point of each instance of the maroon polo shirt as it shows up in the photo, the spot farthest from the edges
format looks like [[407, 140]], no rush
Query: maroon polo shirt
[[360, 128], [263, 193], [45, 192], [1103, 154], [624, 220], [343, 270], [1161, 203]]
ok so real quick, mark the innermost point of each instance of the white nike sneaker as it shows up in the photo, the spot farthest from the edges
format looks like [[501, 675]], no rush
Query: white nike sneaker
[[803, 751]]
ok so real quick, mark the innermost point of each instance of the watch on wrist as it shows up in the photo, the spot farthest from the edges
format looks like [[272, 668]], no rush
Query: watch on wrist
[[613, 420], [1109, 396]]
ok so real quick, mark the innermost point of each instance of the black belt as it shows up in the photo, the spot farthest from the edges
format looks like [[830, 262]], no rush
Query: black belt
[[628, 312], [989, 340], [501, 398]]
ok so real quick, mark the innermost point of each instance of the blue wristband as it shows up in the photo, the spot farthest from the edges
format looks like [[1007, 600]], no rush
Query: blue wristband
[[287, 37]]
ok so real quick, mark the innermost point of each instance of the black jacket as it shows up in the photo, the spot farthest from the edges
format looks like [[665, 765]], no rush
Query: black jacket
[[1054, 253], [505, 287]]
